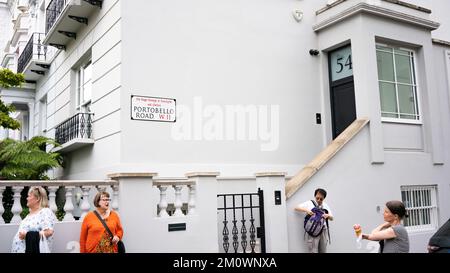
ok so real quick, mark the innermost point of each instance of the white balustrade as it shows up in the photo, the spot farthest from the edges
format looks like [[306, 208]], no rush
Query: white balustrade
[[17, 207], [178, 186], [52, 187]]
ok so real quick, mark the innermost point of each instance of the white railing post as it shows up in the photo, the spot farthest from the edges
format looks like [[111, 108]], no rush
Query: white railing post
[[206, 187], [68, 206], [1, 205], [85, 206], [52, 198], [162, 201], [178, 204], [115, 197], [17, 207], [191, 202], [137, 204]]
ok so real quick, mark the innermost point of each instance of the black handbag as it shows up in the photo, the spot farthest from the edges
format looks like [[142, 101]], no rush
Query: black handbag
[[120, 244]]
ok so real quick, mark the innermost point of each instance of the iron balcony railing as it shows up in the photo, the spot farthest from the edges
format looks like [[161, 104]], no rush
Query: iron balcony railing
[[33, 50], [78, 126], [54, 9]]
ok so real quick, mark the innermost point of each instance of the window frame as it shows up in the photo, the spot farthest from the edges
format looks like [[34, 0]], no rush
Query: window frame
[[433, 207], [82, 105], [415, 84]]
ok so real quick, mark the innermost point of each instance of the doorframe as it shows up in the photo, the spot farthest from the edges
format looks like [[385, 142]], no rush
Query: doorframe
[[332, 84]]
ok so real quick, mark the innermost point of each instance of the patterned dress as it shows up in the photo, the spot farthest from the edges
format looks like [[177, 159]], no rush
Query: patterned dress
[[105, 245], [42, 220]]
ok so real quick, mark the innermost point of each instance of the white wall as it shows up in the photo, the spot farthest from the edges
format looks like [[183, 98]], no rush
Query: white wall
[[222, 53]]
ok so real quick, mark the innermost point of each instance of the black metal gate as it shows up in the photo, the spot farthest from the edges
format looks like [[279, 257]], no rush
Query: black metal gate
[[245, 212]]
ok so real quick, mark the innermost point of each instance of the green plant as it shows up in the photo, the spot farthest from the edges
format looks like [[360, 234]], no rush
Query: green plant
[[28, 160], [10, 79]]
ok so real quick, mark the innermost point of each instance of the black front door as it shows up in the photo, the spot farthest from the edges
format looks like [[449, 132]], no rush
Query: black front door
[[343, 109], [342, 104]]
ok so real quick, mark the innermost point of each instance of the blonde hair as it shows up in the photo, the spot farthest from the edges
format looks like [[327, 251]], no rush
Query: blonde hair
[[41, 195]]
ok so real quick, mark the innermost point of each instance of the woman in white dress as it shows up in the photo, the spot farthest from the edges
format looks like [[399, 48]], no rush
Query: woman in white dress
[[40, 219]]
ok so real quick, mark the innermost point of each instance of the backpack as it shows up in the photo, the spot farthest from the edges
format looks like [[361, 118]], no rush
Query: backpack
[[315, 224]]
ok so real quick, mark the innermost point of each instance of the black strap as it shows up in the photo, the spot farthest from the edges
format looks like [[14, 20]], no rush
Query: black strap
[[104, 224]]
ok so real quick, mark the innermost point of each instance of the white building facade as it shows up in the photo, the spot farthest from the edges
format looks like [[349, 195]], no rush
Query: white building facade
[[245, 87]]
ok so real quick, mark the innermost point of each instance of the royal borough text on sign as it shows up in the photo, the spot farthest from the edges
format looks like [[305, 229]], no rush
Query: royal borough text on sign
[[153, 108]]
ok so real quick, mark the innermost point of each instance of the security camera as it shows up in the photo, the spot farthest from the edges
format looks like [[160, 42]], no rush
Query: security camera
[[313, 52]]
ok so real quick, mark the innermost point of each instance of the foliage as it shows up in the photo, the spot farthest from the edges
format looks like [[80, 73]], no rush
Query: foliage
[[5, 120], [27, 160], [10, 79]]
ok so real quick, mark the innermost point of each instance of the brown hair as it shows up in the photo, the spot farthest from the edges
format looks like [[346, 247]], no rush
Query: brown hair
[[397, 207], [98, 196], [41, 195]]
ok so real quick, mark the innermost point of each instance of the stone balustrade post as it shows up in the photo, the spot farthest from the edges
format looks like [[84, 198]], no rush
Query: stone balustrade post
[[191, 202], [17, 207], [163, 201], [137, 204], [85, 206], [115, 197], [206, 187], [178, 204], [52, 198], [68, 206]]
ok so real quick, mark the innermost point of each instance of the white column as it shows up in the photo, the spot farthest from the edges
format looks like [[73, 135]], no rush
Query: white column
[[191, 202], [52, 198], [31, 120], [85, 206], [275, 216], [178, 204], [1, 205], [17, 207], [162, 201], [68, 206], [137, 205]]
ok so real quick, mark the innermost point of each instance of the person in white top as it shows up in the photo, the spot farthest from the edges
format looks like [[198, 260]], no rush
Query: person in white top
[[41, 219], [317, 244]]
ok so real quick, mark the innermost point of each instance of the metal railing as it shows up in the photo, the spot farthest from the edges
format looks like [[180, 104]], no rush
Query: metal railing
[[78, 126], [33, 50], [54, 9], [243, 211]]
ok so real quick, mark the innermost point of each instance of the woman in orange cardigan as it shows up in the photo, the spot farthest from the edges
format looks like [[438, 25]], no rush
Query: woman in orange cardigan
[[94, 237]]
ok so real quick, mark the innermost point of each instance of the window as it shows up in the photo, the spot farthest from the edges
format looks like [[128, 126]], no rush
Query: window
[[397, 84], [84, 88], [420, 203]]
